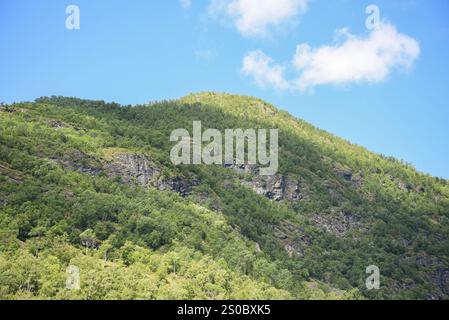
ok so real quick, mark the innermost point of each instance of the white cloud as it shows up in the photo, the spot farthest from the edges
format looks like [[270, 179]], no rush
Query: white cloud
[[186, 4], [256, 18], [265, 73], [368, 59]]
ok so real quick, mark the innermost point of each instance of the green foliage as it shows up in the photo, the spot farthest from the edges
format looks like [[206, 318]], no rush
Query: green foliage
[[59, 208]]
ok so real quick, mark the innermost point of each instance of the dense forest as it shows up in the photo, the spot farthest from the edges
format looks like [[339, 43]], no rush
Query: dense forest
[[90, 184]]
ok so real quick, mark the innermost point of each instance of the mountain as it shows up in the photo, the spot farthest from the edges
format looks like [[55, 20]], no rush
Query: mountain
[[89, 185]]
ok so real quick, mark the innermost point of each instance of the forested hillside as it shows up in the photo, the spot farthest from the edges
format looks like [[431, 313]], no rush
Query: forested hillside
[[90, 184]]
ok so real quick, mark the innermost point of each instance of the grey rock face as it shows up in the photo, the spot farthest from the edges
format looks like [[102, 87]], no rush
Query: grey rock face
[[292, 237], [177, 184], [441, 279], [276, 187], [272, 187], [133, 169], [444, 280], [91, 243], [79, 161], [347, 174], [337, 223], [139, 170], [57, 124]]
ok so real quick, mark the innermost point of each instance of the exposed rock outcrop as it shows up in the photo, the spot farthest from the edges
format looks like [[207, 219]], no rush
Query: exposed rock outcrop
[[79, 161], [132, 168], [91, 243], [276, 187], [292, 237], [140, 170], [180, 185], [347, 174], [57, 124], [338, 223], [441, 279]]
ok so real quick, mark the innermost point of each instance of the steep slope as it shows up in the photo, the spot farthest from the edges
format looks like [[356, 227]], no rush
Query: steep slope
[[91, 184]]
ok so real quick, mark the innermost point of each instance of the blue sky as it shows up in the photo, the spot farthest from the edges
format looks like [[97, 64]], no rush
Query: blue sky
[[392, 96]]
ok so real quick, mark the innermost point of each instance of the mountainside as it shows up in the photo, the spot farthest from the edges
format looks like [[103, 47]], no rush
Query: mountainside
[[90, 184]]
